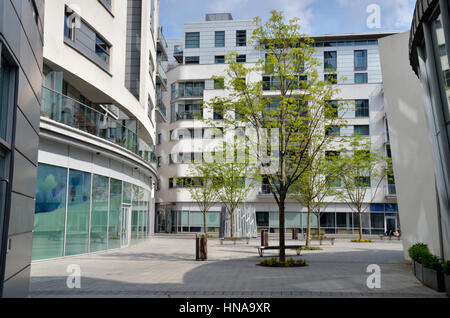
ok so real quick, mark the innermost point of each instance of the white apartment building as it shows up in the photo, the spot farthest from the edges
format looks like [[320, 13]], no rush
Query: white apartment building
[[196, 58], [97, 167]]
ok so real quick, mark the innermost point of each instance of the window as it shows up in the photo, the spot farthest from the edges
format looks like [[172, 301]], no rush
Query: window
[[332, 131], [362, 130], [219, 59], [192, 60], [241, 58], [34, 11], [361, 78], [332, 109], [332, 155], [106, 4], [362, 108], [189, 111], [241, 38], [5, 93], [192, 40], [220, 39], [332, 78], [219, 83], [330, 60], [50, 208], [171, 184], [218, 114], [158, 161], [360, 60], [99, 214], [363, 181], [159, 139], [69, 24]]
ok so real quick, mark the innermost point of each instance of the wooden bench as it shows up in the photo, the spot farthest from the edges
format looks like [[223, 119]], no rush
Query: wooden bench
[[390, 237], [297, 248], [331, 239], [234, 239]]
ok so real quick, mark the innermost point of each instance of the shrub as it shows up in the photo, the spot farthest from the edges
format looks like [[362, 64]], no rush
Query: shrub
[[418, 251], [273, 262], [432, 262], [446, 267], [361, 241]]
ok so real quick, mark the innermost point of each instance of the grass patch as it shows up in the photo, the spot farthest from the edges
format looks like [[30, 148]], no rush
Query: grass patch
[[203, 235], [361, 241], [318, 237], [274, 262]]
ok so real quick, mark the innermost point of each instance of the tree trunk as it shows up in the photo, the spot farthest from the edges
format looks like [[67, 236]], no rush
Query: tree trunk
[[282, 231], [360, 225], [308, 227], [318, 226], [232, 222], [204, 224]]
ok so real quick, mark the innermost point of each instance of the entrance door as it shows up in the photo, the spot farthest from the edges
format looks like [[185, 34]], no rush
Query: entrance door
[[391, 225], [125, 232]]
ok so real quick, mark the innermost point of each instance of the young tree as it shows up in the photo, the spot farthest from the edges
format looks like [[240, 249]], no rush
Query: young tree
[[233, 181], [202, 188], [294, 115], [314, 186], [361, 173]]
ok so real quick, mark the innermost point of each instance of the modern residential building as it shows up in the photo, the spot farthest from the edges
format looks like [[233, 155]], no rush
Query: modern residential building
[[196, 58], [21, 42], [97, 168], [417, 92]]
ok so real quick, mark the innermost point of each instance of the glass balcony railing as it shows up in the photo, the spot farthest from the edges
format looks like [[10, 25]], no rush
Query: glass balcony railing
[[68, 111], [162, 39], [196, 92], [162, 74]]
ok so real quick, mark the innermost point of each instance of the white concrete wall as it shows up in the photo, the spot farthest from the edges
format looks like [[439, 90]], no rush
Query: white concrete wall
[[411, 146], [114, 29], [373, 91]]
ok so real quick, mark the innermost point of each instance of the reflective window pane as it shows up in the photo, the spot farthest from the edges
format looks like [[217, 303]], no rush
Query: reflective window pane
[[99, 217], [442, 64], [4, 93], [135, 215], [50, 210], [115, 206], [78, 210]]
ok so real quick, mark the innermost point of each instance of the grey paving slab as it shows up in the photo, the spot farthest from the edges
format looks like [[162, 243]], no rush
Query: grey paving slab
[[164, 266]]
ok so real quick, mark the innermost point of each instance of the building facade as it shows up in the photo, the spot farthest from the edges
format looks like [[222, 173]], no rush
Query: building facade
[[421, 115], [200, 55], [97, 168], [21, 47]]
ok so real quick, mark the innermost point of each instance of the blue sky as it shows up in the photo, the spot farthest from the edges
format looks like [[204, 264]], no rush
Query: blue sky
[[317, 16]]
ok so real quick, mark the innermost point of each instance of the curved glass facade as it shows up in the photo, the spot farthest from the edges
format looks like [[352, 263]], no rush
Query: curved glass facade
[[78, 212]]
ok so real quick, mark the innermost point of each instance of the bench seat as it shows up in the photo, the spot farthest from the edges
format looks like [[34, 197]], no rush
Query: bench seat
[[261, 249]]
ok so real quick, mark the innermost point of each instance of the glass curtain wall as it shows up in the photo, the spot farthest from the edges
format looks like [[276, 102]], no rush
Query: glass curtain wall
[[78, 212]]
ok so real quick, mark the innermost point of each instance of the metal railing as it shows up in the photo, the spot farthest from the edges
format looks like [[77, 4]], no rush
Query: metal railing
[[162, 39], [70, 112], [195, 92], [161, 73]]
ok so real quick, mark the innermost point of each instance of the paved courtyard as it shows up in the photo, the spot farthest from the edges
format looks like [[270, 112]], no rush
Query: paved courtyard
[[165, 266]]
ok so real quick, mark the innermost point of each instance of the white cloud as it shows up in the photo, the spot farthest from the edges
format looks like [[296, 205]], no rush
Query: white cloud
[[301, 9]]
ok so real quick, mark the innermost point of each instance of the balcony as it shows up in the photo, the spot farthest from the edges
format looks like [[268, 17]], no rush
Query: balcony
[[160, 105], [70, 112], [178, 54], [162, 45], [188, 93], [161, 76], [265, 190]]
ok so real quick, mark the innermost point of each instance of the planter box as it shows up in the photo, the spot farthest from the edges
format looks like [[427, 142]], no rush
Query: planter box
[[434, 279], [418, 270], [447, 284], [201, 249]]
